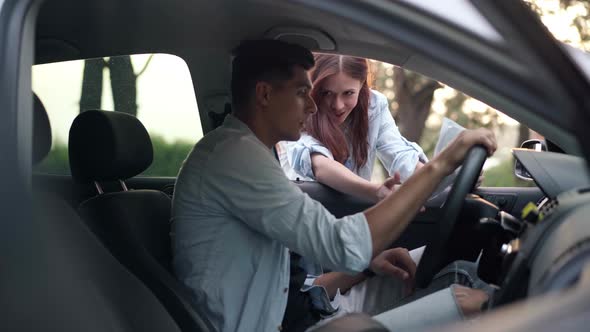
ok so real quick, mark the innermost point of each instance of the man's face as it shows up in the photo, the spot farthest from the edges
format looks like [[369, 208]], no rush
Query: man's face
[[290, 105]]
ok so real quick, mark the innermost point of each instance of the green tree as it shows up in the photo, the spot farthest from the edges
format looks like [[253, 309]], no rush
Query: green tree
[[581, 21], [410, 97], [123, 83], [91, 96]]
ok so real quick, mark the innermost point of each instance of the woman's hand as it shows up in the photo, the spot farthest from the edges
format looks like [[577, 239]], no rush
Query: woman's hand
[[388, 186], [479, 180]]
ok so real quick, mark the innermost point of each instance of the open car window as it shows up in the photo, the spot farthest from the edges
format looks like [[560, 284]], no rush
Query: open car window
[[419, 104], [157, 88]]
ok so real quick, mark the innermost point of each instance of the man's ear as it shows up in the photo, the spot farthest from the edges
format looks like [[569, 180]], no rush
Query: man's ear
[[263, 93]]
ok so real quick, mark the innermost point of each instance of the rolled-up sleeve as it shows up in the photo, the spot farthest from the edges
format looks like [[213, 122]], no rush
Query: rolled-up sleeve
[[300, 154], [396, 153], [266, 201]]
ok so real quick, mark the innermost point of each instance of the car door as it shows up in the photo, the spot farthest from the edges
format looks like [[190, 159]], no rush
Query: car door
[[21, 240]]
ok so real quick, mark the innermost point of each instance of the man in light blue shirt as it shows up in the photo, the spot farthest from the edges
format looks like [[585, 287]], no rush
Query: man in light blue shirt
[[236, 215]]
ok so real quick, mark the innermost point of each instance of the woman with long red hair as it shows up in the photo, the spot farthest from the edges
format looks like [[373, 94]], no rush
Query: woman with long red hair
[[352, 126]]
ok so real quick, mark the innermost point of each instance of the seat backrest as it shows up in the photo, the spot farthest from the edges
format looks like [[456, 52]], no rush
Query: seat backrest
[[73, 283], [82, 286], [133, 224], [137, 219]]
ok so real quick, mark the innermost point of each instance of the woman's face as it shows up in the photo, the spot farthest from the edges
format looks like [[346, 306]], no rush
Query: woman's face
[[339, 95]]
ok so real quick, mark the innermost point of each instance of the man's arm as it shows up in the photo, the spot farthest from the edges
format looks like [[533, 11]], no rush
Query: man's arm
[[395, 263], [279, 210], [390, 217], [332, 281]]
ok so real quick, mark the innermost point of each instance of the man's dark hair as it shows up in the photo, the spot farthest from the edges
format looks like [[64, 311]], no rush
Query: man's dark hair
[[264, 60]]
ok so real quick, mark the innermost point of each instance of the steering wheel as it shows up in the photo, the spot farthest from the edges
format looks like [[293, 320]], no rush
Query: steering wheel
[[433, 258]]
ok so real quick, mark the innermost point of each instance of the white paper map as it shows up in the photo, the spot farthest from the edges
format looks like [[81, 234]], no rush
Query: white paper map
[[448, 131]]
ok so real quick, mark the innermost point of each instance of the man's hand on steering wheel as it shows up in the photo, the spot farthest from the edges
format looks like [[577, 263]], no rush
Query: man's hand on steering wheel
[[454, 154], [469, 149]]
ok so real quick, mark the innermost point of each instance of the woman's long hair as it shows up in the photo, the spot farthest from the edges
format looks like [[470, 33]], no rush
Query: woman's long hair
[[322, 125]]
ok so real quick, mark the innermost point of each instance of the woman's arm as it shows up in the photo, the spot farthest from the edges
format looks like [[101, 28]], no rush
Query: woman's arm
[[394, 151], [419, 165], [337, 176]]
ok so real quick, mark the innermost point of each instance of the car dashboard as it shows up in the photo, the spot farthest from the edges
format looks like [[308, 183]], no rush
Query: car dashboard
[[549, 244]]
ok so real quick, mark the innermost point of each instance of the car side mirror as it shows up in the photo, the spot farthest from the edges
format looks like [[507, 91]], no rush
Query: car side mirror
[[531, 144]]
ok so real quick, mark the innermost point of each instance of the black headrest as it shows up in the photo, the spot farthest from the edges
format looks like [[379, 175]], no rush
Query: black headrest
[[107, 146], [41, 131]]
